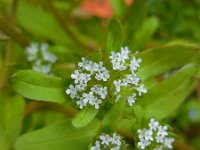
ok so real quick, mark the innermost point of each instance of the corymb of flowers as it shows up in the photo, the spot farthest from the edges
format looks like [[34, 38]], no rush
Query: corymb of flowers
[[40, 58], [154, 137], [94, 83], [105, 141]]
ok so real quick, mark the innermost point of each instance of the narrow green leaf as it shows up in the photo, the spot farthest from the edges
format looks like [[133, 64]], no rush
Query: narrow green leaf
[[84, 117], [38, 86], [40, 23], [11, 115], [115, 37], [162, 100], [59, 136], [142, 36], [119, 7], [115, 114], [159, 60]]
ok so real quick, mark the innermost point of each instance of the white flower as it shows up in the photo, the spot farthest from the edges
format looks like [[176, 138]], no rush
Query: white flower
[[148, 135], [117, 85], [116, 140], [143, 143], [135, 64], [96, 147], [153, 125], [88, 97], [141, 89], [72, 91], [84, 63], [32, 51], [168, 142], [132, 79], [162, 131], [159, 139], [125, 53], [131, 99], [46, 54], [95, 102], [105, 139], [102, 75], [81, 104], [80, 77], [81, 87], [101, 91], [142, 133]]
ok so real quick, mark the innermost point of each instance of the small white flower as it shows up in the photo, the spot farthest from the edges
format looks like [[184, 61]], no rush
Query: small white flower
[[84, 63], [95, 102], [141, 89], [46, 54], [159, 139], [162, 131], [132, 79], [159, 148], [143, 143], [88, 97], [96, 147], [125, 53], [153, 124], [148, 135], [116, 140], [131, 99], [135, 64], [81, 104], [105, 139], [32, 51], [72, 91], [168, 142], [117, 85]]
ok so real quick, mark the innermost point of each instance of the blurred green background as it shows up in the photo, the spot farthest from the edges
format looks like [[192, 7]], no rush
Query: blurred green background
[[76, 28]]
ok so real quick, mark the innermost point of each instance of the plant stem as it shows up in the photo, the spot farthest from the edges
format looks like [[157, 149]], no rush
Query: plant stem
[[66, 28]]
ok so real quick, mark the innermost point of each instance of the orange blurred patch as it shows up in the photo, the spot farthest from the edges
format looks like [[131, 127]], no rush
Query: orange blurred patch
[[100, 8]]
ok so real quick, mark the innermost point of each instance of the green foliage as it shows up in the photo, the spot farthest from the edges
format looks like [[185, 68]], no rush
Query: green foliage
[[162, 100], [11, 115], [166, 35], [84, 117], [38, 86], [61, 135]]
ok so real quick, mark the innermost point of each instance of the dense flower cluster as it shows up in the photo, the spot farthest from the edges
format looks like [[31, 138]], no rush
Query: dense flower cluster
[[96, 93], [107, 142], [87, 93], [156, 135], [41, 59], [122, 61]]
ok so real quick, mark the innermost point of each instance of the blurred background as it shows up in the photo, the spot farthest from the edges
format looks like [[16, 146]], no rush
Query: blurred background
[[74, 28]]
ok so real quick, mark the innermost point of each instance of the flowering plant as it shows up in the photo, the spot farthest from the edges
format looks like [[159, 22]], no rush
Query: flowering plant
[[76, 78]]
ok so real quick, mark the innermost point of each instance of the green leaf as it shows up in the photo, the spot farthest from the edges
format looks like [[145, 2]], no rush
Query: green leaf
[[119, 7], [156, 61], [38, 86], [162, 100], [84, 117], [11, 115], [142, 36], [114, 115], [40, 23], [59, 136], [115, 36]]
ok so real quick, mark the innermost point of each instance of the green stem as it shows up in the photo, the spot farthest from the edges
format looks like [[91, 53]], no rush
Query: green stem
[[66, 28]]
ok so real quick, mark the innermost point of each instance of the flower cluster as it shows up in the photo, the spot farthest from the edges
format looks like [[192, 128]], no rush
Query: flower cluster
[[85, 92], [82, 91], [122, 61], [107, 142], [156, 135], [41, 59]]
